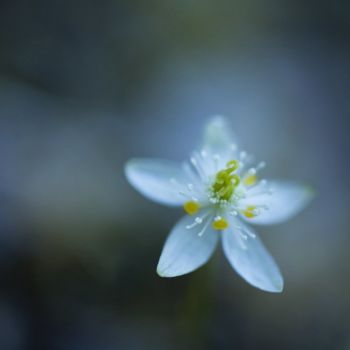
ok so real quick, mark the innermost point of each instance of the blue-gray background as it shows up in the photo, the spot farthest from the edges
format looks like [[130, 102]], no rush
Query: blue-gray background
[[85, 85]]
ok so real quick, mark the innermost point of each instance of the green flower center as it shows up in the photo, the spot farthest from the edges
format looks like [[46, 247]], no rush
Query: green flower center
[[226, 182]]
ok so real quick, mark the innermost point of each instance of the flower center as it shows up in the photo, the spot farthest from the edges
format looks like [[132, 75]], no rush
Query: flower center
[[226, 182]]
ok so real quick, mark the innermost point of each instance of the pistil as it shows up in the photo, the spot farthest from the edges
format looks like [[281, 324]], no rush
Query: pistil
[[226, 182]]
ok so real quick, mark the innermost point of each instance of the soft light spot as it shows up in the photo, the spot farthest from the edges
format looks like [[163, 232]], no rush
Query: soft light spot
[[249, 212], [250, 180], [220, 224], [191, 207]]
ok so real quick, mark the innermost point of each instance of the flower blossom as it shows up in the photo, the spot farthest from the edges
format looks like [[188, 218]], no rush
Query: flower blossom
[[221, 192]]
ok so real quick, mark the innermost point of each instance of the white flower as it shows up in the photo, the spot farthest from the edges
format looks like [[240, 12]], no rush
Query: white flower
[[220, 191]]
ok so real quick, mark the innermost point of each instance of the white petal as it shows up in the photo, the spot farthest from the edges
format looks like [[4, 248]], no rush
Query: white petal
[[154, 178], [287, 199], [250, 259], [184, 250], [218, 137]]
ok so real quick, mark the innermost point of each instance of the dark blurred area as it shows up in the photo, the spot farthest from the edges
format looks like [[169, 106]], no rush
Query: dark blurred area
[[85, 85]]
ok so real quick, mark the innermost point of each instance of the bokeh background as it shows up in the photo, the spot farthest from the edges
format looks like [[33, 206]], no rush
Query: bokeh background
[[85, 85]]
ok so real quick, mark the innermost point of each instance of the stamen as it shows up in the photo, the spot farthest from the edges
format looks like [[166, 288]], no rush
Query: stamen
[[245, 160], [200, 233], [251, 177], [261, 165], [184, 194], [250, 234], [194, 224], [250, 180], [250, 212], [191, 207], [197, 167], [185, 191], [190, 187], [197, 221], [259, 189], [245, 237], [252, 171], [220, 223], [190, 171], [240, 241], [216, 159]]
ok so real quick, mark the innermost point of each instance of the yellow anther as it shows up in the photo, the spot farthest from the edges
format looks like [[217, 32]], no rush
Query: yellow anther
[[249, 212], [191, 207], [250, 180], [220, 224]]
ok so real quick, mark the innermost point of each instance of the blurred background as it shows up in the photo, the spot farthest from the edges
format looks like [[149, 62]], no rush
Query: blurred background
[[85, 85]]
